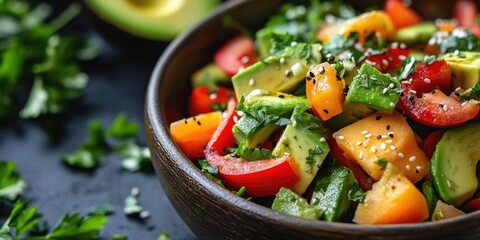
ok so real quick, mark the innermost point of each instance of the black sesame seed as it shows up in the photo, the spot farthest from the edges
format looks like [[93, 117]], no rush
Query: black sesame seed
[[390, 135], [440, 105], [311, 74], [379, 136], [325, 111], [433, 91], [411, 98], [416, 170], [314, 81], [309, 78], [194, 119], [338, 78], [185, 120], [281, 96], [378, 117], [199, 123], [401, 94], [388, 127], [457, 94]]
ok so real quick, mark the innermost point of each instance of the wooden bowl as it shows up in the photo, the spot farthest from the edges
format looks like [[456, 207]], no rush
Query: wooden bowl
[[213, 212]]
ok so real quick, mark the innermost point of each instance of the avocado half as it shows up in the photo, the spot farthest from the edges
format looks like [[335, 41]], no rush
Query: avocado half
[[152, 19]]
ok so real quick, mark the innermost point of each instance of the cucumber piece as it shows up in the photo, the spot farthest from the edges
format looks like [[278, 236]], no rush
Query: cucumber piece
[[454, 164]]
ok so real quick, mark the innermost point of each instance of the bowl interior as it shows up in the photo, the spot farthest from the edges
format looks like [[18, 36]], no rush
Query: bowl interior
[[167, 99]]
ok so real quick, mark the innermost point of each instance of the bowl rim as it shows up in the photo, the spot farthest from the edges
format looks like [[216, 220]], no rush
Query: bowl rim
[[159, 127]]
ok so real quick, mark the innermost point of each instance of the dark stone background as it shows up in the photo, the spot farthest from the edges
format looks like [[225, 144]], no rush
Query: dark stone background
[[118, 80]]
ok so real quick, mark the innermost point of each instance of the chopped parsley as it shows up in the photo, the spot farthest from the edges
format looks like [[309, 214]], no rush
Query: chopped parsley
[[408, 68], [356, 194], [249, 153], [317, 150], [132, 206], [461, 40], [164, 236], [382, 163], [11, 185], [473, 93], [210, 171], [105, 209]]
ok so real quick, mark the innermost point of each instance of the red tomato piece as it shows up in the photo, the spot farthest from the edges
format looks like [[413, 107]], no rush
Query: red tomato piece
[[391, 60], [430, 142], [422, 103], [236, 54], [260, 177], [203, 98], [465, 11], [401, 15], [472, 205]]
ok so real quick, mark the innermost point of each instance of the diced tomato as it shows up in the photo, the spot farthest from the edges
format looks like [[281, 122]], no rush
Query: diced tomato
[[203, 99], [465, 11], [430, 142], [422, 103], [259, 177], [236, 54], [401, 15], [391, 60], [335, 152], [472, 205]]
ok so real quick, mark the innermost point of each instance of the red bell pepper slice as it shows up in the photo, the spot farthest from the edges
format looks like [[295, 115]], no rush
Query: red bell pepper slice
[[236, 54], [430, 142], [260, 177], [401, 15], [472, 205], [424, 103], [203, 98]]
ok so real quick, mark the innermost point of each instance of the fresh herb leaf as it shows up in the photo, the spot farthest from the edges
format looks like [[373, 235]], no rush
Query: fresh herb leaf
[[210, 171], [164, 236], [218, 107], [382, 163], [11, 185], [105, 209], [251, 154], [132, 206], [21, 220], [428, 59], [473, 93], [134, 157], [119, 237], [240, 191], [356, 194], [461, 40], [317, 150], [122, 128], [90, 154], [408, 68], [281, 41], [74, 226]]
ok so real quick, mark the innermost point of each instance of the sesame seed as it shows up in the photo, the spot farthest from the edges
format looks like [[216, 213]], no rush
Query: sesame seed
[[135, 191], [392, 104], [235, 119], [388, 127], [418, 168], [360, 155], [379, 136], [394, 45], [412, 159], [393, 147], [385, 90], [400, 155], [185, 121], [359, 143], [322, 139], [407, 167], [426, 80], [378, 117], [405, 82], [385, 61], [288, 72], [368, 135], [364, 132], [341, 137], [293, 44], [390, 134], [282, 60], [370, 62], [412, 91], [403, 46], [251, 82], [199, 123], [321, 70], [388, 141], [311, 74], [383, 146], [445, 107], [402, 57], [325, 111], [144, 214], [212, 96], [240, 113], [314, 81], [373, 149], [391, 85], [449, 184]]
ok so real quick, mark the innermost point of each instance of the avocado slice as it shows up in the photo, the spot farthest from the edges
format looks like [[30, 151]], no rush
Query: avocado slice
[[331, 191], [288, 202], [280, 73], [419, 33], [454, 162], [305, 141], [265, 103], [152, 19], [210, 75], [465, 68], [369, 91]]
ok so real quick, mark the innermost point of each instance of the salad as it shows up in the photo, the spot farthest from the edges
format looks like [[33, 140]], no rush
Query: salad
[[331, 114]]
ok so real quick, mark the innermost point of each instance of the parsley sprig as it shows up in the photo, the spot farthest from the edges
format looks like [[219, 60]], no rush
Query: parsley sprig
[[11, 185]]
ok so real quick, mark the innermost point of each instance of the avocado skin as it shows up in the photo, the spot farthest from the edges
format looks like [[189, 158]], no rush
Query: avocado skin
[[331, 191], [465, 68], [288, 202], [419, 33], [280, 73], [453, 164], [366, 95]]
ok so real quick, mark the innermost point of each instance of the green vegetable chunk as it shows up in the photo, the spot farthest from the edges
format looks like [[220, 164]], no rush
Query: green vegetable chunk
[[419, 33], [288, 202], [331, 194], [454, 162]]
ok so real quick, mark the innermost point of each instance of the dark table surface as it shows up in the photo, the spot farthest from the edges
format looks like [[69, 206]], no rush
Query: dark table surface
[[118, 80]]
